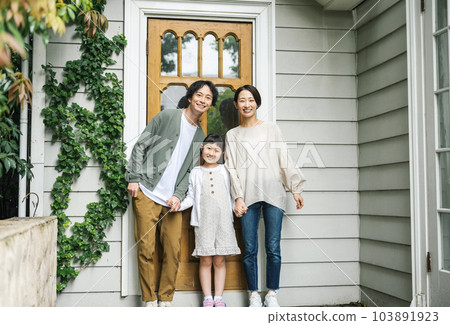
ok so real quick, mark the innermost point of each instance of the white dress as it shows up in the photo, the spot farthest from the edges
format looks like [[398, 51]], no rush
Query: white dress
[[215, 233]]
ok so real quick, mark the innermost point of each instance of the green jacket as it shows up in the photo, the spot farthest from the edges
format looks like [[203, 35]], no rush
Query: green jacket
[[153, 150]]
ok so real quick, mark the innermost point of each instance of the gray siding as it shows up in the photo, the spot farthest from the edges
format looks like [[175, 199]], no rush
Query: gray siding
[[316, 102], [102, 279], [385, 251]]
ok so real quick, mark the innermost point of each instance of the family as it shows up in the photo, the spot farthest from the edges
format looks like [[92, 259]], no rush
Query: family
[[164, 180]]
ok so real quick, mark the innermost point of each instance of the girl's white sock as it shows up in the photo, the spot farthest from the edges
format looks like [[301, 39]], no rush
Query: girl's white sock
[[208, 298], [218, 298]]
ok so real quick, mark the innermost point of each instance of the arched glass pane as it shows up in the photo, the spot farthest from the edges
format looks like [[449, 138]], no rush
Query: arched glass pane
[[189, 55], [223, 116], [230, 57], [169, 55], [210, 60], [173, 97]]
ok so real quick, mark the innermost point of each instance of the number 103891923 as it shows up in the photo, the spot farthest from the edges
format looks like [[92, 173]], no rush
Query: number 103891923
[[405, 316]]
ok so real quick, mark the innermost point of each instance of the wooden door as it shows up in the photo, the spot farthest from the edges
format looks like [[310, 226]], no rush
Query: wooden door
[[181, 52]]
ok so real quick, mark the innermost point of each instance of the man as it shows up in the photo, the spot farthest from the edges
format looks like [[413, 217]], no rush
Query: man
[[158, 176]]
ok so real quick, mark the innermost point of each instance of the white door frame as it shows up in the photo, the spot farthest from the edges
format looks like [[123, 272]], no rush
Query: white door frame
[[261, 13], [417, 153]]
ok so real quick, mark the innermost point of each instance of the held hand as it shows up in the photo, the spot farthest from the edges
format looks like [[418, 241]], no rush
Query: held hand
[[174, 203], [133, 189], [239, 207], [299, 200]]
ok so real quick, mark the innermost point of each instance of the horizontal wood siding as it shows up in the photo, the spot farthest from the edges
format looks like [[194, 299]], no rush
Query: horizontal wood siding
[[316, 108], [103, 278], [385, 251]]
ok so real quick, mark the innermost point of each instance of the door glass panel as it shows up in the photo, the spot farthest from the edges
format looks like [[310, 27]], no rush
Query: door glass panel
[[223, 116], [441, 14], [189, 55], [169, 55], [445, 240], [442, 60], [210, 51], [443, 119], [230, 57], [173, 97], [444, 167]]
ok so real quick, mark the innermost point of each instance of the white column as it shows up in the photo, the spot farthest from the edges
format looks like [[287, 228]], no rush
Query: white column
[[37, 125], [417, 154]]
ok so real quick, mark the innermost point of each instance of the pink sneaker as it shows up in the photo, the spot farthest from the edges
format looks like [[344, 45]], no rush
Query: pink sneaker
[[208, 303], [219, 303]]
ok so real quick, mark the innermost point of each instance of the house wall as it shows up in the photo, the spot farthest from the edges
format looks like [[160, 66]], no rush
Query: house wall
[[385, 253], [97, 285], [320, 245]]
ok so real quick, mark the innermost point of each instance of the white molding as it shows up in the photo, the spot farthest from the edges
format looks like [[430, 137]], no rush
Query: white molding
[[339, 4], [417, 153], [260, 13], [37, 125]]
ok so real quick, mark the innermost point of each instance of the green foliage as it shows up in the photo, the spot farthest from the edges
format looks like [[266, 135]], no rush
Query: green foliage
[[220, 120], [79, 131], [11, 165], [10, 161]]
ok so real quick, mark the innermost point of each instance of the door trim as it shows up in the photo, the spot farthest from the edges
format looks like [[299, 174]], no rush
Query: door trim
[[417, 153], [136, 12]]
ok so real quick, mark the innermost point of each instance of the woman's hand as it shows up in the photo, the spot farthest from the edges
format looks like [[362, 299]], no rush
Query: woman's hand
[[239, 207], [174, 203], [299, 200], [133, 189]]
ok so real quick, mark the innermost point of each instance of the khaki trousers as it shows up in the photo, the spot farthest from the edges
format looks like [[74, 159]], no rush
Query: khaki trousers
[[147, 216]]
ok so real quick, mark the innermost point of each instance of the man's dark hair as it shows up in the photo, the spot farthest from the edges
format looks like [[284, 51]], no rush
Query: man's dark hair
[[183, 103], [199, 84], [252, 90]]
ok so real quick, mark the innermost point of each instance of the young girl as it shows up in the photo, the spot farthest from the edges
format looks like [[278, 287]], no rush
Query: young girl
[[259, 165], [212, 218]]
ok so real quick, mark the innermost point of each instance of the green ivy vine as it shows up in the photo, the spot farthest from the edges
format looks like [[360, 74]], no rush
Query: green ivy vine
[[79, 130]]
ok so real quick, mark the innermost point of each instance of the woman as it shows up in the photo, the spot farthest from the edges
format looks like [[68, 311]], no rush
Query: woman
[[260, 167]]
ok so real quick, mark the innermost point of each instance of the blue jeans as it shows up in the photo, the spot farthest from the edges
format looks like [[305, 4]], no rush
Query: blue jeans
[[273, 217]]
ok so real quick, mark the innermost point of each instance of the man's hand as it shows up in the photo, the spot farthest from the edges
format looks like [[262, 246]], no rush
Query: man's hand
[[239, 207], [299, 200], [174, 203], [133, 189]]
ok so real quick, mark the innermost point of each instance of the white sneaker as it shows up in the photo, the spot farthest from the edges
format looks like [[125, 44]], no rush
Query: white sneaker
[[271, 299], [166, 304], [255, 300], [151, 303]]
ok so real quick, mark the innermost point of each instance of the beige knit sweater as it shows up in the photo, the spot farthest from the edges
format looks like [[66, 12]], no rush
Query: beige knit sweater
[[259, 165]]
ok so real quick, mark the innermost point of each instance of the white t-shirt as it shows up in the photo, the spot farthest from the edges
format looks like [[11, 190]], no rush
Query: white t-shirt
[[166, 185]]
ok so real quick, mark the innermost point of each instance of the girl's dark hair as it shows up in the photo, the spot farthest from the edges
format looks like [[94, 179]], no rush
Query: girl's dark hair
[[199, 84], [215, 138], [252, 90]]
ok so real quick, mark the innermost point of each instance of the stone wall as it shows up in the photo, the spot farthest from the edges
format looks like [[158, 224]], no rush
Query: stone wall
[[28, 261]]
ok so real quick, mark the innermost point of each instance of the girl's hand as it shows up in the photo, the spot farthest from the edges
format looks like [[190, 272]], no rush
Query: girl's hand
[[299, 200], [174, 203], [133, 189], [239, 207]]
